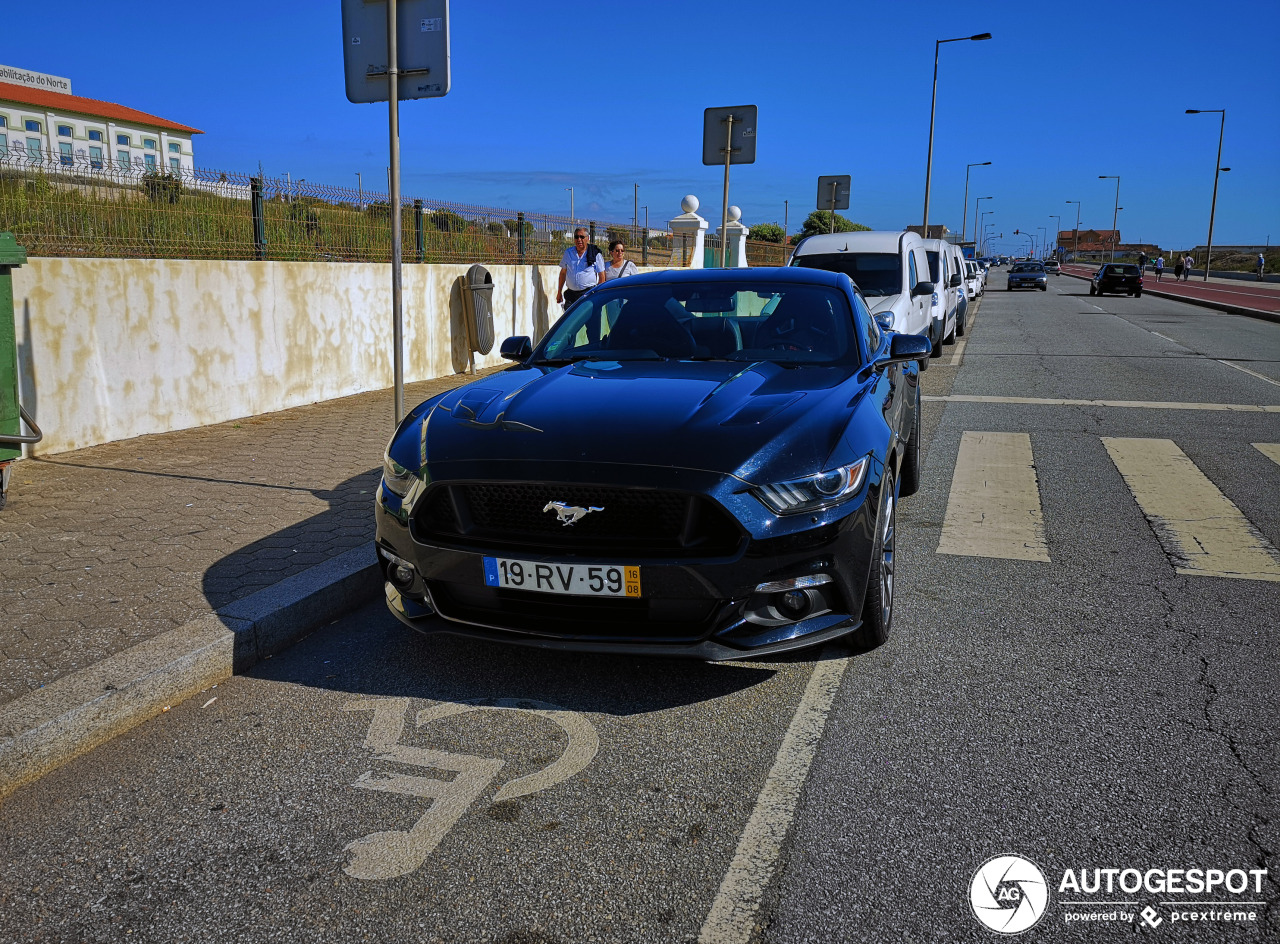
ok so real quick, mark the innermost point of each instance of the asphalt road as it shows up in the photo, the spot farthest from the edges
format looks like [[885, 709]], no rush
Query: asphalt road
[[1095, 710]]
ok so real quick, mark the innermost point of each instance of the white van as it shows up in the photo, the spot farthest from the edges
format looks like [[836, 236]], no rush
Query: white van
[[890, 268], [946, 270]]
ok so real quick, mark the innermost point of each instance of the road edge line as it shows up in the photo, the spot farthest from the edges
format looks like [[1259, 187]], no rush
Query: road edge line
[[732, 917], [54, 724]]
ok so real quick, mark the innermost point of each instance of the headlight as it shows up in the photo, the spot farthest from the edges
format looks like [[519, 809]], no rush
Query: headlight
[[815, 491], [398, 479]]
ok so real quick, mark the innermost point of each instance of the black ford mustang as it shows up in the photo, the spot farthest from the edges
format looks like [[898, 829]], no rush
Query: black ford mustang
[[700, 463]]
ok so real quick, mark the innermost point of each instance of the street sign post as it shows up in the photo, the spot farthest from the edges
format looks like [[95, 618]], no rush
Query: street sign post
[[833, 194], [382, 42], [728, 137]]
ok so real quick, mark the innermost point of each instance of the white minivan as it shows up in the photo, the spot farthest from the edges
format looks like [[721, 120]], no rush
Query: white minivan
[[890, 268], [946, 271]]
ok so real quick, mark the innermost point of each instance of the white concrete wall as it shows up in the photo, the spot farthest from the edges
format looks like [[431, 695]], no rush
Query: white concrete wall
[[114, 348]]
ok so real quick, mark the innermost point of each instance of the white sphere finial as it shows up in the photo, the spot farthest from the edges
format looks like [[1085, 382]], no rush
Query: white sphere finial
[[735, 214], [690, 203]]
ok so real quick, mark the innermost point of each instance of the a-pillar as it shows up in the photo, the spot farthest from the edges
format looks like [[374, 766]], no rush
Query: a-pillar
[[734, 234], [689, 231]]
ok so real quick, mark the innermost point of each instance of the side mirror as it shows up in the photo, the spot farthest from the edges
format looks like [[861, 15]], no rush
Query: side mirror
[[884, 319], [516, 349], [955, 280], [904, 348], [922, 288]]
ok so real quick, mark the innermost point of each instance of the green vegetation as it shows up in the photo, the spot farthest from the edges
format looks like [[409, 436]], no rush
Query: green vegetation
[[819, 221]]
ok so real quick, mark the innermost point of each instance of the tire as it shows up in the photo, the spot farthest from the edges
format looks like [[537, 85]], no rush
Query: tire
[[877, 606], [960, 327], [935, 347], [910, 480], [1044, 288], [1092, 289], [1137, 294]]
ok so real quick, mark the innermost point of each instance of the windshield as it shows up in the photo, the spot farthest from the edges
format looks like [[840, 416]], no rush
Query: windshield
[[876, 273], [933, 268], [1027, 267], [1123, 269], [781, 322]]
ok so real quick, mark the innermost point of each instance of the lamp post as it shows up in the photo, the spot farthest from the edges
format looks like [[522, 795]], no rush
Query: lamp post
[[1115, 217], [1057, 230], [1075, 242], [980, 221], [644, 242], [360, 190], [572, 221], [975, 214], [786, 218], [928, 166], [964, 219], [1216, 167], [985, 227], [1044, 230]]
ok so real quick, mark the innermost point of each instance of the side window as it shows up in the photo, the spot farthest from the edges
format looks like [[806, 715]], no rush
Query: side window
[[867, 323], [912, 278], [122, 139], [32, 125]]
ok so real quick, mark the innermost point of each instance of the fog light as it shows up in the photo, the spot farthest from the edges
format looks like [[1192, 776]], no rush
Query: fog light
[[401, 575], [795, 602]]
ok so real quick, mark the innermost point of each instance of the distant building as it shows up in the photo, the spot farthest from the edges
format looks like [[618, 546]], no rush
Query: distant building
[[936, 231], [1090, 240], [38, 124]]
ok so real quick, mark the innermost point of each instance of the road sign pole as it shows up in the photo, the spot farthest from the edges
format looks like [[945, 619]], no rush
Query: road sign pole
[[724, 207], [397, 312], [833, 206]]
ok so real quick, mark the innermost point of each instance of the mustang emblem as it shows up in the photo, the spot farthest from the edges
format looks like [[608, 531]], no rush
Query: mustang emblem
[[568, 514]]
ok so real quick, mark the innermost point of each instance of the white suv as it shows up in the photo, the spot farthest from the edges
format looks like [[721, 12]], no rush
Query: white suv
[[890, 268], [946, 270]]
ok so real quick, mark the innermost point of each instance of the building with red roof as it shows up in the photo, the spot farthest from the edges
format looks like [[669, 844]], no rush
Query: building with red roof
[[38, 123]]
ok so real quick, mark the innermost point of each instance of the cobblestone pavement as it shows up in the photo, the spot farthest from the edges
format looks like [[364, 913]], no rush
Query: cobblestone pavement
[[105, 547]]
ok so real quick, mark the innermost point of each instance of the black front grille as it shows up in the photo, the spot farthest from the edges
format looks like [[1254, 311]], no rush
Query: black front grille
[[628, 522], [574, 617]]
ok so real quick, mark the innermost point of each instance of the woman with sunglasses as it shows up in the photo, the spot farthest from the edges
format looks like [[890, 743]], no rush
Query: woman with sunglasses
[[619, 264]]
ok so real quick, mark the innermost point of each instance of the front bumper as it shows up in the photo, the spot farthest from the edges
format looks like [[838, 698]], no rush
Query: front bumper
[[697, 608]]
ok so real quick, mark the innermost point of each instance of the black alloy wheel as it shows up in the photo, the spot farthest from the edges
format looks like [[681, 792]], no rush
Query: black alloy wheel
[[911, 456], [877, 608]]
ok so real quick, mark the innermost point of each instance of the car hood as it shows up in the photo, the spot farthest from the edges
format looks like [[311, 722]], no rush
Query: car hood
[[884, 303], [749, 420]]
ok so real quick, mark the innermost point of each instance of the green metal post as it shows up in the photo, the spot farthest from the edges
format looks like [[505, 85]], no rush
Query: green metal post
[[259, 226], [520, 238], [420, 238], [11, 256]]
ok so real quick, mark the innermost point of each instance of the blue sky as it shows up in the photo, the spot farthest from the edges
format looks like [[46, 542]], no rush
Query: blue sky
[[601, 97]]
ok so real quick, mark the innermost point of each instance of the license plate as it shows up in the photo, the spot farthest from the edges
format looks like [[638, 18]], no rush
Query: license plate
[[583, 580]]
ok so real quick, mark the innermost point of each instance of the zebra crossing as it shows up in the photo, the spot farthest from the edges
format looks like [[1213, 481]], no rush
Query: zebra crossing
[[994, 506]]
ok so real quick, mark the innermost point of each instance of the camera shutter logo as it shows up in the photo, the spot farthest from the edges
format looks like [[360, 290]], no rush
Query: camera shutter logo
[[1008, 894]]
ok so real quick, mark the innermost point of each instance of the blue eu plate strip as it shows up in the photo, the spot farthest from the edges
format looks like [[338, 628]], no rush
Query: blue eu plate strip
[[491, 571]]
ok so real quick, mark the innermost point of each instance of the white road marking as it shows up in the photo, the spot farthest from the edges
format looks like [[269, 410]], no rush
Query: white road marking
[[1270, 450], [393, 853], [957, 354], [1251, 373], [732, 919], [1202, 531], [1125, 404], [994, 506], [1167, 338]]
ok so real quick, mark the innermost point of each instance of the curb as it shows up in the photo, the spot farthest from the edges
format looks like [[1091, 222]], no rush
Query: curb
[[1202, 302], [54, 724]]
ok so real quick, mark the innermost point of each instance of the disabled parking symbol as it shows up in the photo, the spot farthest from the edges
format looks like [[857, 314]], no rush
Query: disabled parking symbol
[[393, 853]]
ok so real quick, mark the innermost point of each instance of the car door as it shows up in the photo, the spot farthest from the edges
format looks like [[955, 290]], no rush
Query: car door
[[917, 266], [888, 392]]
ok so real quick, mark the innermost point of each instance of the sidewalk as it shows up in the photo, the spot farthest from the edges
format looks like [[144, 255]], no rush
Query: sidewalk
[[110, 556]]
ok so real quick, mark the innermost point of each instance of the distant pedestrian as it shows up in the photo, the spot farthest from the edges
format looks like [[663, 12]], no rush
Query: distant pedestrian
[[1187, 265], [1177, 270], [1262, 264], [1159, 268], [581, 266], [619, 264], [1142, 263]]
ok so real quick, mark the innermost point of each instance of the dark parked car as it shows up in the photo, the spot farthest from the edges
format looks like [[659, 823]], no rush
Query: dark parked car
[[1117, 277], [699, 463], [1027, 275]]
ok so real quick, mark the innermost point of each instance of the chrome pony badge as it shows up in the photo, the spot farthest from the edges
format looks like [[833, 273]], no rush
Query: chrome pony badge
[[568, 514]]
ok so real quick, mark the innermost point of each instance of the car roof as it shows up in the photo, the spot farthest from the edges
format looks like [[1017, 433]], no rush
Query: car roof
[[752, 276], [858, 241]]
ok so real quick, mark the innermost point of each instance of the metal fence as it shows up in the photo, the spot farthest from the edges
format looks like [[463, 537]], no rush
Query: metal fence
[[62, 206]]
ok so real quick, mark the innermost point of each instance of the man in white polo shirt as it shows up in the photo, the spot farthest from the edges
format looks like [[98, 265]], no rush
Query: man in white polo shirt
[[582, 266]]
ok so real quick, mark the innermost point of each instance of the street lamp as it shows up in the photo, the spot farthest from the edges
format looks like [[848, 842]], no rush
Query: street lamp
[[985, 227], [1075, 242], [1216, 167], [571, 219], [1115, 217], [980, 221], [1043, 245], [975, 211], [1057, 230], [964, 220], [928, 166]]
